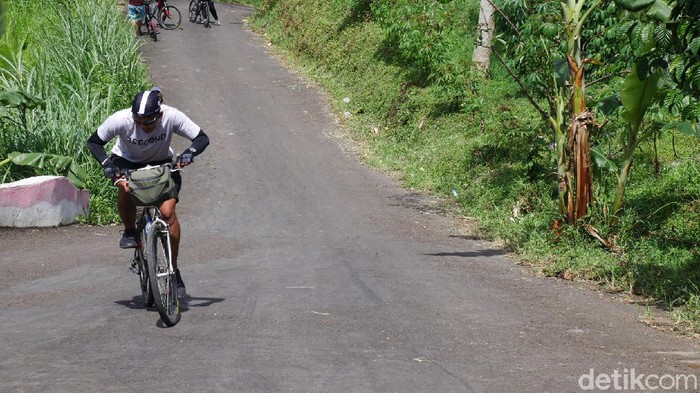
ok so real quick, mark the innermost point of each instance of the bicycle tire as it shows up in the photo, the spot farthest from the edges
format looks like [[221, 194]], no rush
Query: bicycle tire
[[142, 264], [169, 17], [205, 14], [144, 281], [161, 274], [152, 26], [194, 10]]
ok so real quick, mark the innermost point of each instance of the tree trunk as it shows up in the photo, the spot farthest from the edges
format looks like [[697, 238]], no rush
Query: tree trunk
[[482, 51]]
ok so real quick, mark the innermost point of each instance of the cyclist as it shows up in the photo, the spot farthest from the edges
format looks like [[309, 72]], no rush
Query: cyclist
[[144, 133], [136, 12]]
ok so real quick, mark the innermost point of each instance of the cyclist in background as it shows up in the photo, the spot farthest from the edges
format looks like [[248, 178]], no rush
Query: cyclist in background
[[144, 134], [136, 11]]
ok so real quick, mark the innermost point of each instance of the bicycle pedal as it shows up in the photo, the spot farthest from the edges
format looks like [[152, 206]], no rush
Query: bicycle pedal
[[134, 267]]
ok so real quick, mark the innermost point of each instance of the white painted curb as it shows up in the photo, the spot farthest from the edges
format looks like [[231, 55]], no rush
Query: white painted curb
[[41, 201]]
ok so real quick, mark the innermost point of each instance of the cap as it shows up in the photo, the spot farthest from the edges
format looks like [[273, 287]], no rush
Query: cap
[[146, 103]]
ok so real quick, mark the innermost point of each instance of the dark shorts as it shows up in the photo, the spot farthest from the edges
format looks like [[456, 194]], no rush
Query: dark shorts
[[126, 164]]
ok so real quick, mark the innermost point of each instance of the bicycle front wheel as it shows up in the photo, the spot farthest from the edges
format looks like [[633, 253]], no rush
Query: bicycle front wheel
[[162, 274], [194, 10], [169, 17]]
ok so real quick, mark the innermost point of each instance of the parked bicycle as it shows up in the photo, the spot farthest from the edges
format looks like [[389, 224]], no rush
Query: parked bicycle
[[150, 21], [152, 257], [199, 12], [168, 16]]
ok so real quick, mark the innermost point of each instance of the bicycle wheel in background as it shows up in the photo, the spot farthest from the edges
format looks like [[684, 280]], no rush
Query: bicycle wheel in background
[[205, 14], [169, 17], [152, 26], [194, 8], [163, 281]]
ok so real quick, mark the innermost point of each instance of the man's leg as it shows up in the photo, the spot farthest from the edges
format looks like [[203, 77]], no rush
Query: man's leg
[[134, 18], [167, 210], [127, 212], [212, 11]]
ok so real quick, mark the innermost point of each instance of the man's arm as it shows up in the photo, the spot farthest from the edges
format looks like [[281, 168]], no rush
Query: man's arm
[[199, 143], [97, 148]]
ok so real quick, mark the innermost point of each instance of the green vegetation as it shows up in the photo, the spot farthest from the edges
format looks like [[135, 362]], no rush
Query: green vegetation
[[419, 110], [71, 64]]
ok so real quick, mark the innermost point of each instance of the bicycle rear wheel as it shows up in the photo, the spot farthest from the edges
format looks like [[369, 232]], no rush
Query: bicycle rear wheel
[[205, 14], [152, 26], [146, 293], [162, 275], [169, 17], [142, 264], [194, 10]]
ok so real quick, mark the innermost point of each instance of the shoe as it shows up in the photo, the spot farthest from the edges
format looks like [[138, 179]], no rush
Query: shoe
[[181, 291], [134, 267], [216, 22], [128, 239]]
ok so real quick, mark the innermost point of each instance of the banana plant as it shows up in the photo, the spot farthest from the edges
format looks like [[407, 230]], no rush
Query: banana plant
[[573, 145], [52, 163], [637, 96]]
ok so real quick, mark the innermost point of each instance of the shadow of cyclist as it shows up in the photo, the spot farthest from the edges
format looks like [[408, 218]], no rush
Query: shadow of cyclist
[[193, 301]]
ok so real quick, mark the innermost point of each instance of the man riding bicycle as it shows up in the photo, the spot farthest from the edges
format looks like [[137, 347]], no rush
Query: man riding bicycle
[[144, 133]]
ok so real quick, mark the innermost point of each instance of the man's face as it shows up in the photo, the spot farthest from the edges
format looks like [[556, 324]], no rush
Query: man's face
[[147, 123]]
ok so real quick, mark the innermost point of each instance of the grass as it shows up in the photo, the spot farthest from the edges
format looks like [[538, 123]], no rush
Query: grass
[[81, 61]]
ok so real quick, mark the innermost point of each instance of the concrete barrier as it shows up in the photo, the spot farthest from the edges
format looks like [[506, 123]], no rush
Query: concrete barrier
[[41, 201]]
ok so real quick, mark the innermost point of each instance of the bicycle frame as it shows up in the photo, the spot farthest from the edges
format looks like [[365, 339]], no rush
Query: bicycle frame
[[155, 275], [156, 219], [150, 20]]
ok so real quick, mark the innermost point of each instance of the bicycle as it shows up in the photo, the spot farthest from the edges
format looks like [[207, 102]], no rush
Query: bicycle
[[199, 10], [168, 16], [152, 257], [150, 21]]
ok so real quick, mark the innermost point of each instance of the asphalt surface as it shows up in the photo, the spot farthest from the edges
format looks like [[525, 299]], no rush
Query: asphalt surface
[[306, 271]]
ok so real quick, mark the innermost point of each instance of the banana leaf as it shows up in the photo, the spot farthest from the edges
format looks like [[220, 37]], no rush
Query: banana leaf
[[61, 164]]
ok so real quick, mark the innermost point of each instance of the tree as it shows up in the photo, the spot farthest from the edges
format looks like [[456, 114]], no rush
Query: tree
[[485, 32], [552, 44]]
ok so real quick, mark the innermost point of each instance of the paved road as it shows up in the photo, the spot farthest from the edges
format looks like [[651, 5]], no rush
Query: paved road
[[306, 271]]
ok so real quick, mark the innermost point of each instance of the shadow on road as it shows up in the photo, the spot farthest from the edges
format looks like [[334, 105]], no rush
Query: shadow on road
[[468, 254], [193, 301], [136, 303]]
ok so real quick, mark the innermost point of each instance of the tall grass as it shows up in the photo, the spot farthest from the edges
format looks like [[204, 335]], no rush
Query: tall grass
[[79, 58]]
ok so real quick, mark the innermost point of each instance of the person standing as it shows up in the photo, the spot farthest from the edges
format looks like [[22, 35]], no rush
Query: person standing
[[212, 10], [136, 12]]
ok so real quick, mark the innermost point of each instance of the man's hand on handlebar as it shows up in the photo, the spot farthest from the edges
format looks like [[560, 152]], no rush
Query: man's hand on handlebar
[[185, 158], [110, 169]]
